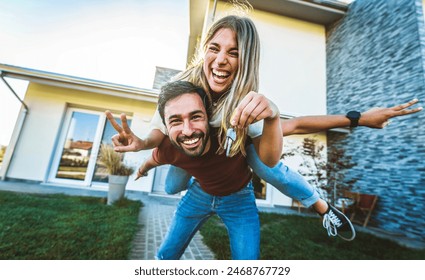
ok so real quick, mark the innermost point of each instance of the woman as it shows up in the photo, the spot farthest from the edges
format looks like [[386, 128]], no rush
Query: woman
[[227, 68]]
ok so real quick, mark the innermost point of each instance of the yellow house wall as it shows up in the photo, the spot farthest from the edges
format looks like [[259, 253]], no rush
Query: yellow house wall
[[47, 108]]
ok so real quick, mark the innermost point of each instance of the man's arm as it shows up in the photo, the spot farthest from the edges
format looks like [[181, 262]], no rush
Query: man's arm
[[147, 165], [373, 118]]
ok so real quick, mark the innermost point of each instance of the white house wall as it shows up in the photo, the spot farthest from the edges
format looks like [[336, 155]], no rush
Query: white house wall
[[293, 65], [48, 104]]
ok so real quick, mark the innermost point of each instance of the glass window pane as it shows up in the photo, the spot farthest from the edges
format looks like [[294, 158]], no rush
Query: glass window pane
[[99, 173]]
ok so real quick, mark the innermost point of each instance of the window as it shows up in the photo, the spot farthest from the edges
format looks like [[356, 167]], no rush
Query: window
[[76, 155]]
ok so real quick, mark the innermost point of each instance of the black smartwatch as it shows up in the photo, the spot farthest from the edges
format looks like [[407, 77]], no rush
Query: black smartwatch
[[354, 117]]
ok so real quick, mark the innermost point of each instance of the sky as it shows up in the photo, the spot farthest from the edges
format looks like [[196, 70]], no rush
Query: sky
[[115, 41]]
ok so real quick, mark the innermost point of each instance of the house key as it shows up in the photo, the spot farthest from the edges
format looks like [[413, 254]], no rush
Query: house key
[[230, 138]]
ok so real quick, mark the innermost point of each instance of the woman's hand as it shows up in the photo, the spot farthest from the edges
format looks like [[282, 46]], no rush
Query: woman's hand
[[253, 108], [380, 117]]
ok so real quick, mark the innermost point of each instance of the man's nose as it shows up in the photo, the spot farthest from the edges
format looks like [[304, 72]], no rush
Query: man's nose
[[187, 128]]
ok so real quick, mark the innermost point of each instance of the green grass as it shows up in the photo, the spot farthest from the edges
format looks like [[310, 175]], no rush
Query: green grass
[[62, 227], [289, 237]]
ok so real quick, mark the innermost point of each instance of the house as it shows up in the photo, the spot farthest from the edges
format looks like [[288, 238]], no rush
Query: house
[[311, 54], [62, 125], [65, 113]]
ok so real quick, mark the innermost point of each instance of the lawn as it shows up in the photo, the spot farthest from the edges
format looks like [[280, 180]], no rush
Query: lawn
[[59, 227], [290, 237]]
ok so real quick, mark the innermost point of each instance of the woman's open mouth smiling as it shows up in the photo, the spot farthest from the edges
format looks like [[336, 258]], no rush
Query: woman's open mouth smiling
[[220, 75]]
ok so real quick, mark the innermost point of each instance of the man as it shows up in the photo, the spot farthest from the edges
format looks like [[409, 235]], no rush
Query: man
[[223, 184]]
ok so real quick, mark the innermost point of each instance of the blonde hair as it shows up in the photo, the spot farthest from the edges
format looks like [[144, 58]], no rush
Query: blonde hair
[[246, 79]]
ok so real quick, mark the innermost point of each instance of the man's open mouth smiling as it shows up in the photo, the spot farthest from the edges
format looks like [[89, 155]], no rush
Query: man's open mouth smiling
[[191, 141]]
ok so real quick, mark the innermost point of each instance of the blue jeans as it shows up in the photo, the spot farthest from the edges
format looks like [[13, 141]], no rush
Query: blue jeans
[[177, 180], [238, 212], [287, 181]]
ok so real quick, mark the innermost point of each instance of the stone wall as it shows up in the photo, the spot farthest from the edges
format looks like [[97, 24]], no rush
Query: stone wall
[[375, 57]]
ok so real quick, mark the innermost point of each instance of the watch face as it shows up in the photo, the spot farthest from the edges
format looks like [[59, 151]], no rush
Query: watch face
[[353, 115]]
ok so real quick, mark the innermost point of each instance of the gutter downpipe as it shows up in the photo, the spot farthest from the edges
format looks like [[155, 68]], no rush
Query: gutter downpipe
[[214, 10], [16, 132]]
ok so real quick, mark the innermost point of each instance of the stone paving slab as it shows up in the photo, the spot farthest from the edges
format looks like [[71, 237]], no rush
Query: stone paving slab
[[154, 219]]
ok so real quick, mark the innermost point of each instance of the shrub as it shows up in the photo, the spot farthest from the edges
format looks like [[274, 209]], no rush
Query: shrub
[[112, 162]]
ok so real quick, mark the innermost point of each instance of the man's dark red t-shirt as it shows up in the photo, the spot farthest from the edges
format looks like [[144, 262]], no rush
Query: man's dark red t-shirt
[[217, 174]]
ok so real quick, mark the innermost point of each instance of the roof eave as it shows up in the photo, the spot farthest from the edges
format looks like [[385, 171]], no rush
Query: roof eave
[[65, 81], [314, 11]]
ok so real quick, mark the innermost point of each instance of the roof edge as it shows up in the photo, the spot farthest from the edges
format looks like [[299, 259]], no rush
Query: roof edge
[[50, 78]]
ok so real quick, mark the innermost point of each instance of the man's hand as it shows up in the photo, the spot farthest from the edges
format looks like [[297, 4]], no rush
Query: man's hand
[[125, 140], [142, 171], [147, 165], [379, 117]]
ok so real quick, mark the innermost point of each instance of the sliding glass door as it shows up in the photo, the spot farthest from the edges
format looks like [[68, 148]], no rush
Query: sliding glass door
[[76, 155], [99, 175]]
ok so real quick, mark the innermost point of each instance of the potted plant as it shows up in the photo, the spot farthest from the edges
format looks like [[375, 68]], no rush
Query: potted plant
[[118, 172]]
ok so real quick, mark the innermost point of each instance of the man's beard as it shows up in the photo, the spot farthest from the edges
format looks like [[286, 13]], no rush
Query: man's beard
[[196, 151]]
